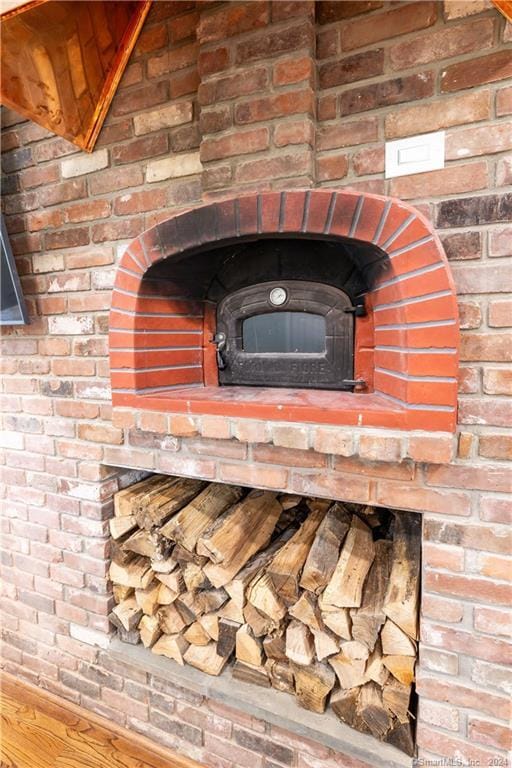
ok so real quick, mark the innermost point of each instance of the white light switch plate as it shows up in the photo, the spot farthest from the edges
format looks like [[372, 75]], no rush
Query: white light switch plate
[[416, 154]]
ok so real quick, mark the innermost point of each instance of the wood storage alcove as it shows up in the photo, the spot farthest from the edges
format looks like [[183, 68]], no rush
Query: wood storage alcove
[[310, 596]]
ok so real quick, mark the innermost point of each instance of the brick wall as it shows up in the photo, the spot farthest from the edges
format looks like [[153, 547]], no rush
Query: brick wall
[[217, 99]]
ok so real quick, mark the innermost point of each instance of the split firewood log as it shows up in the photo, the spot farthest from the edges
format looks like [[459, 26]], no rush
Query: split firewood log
[[368, 619], [395, 642], [396, 698], [132, 636], [174, 581], [187, 605], [211, 600], [198, 515], [170, 620], [142, 543], [125, 501], [402, 597], [250, 674], [210, 624], [306, 611], [372, 710], [160, 503], [196, 634], [300, 647], [324, 552], [401, 737], [183, 556], [259, 623], [120, 526], [353, 649], [136, 573], [286, 566], [248, 648], [227, 637], [232, 612], [401, 667], [205, 658], [238, 534], [238, 585], [264, 597], [344, 705], [313, 685], [274, 647], [350, 672], [345, 589], [326, 643], [121, 593], [194, 577], [147, 599], [150, 631], [164, 565], [127, 614], [339, 622], [375, 667], [172, 646], [166, 596], [280, 674]]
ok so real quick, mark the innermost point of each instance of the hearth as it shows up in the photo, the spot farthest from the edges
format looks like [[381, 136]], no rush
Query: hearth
[[308, 596]]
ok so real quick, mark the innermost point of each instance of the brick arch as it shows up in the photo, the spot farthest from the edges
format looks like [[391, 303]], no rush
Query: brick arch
[[157, 337]]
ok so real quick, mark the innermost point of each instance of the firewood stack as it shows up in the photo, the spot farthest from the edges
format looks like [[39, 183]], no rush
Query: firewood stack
[[306, 595]]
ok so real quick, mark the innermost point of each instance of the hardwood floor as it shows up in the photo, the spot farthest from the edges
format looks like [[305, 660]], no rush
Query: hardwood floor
[[41, 731]]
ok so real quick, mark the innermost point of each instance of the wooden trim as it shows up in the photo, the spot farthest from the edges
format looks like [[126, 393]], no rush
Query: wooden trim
[[504, 7], [56, 707]]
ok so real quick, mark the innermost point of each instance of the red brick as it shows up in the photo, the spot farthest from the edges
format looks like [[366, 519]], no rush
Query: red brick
[[284, 10], [89, 258], [132, 75], [151, 39], [441, 744], [172, 60], [442, 556], [496, 510], [494, 566], [470, 315], [493, 621], [225, 22], [333, 485], [183, 26], [477, 141], [500, 242], [270, 44], [281, 166], [187, 465], [462, 245], [73, 367], [291, 71], [494, 412], [296, 132], [447, 181], [331, 167], [288, 456], [100, 434], [119, 131], [504, 172], [253, 475], [36, 177], [495, 447], [138, 202], [474, 72], [117, 230], [347, 134], [112, 180], [442, 113], [75, 410], [139, 149], [484, 346], [231, 86], [184, 83], [87, 210], [399, 21], [350, 69], [67, 238], [467, 587], [504, 101], [386, 93], [423, 499], [183, 426], [435, 450], [64, 192], [333, 10], [270, 107], [240, 143], [490, 734], [135, 100], [44, 220], [446, 43], [213, 61]]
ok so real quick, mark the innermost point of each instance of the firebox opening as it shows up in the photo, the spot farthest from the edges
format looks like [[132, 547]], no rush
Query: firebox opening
[[308, 597], [283, 310]]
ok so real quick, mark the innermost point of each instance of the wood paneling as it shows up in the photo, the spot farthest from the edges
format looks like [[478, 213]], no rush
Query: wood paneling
[[38, 729], [62, 61]]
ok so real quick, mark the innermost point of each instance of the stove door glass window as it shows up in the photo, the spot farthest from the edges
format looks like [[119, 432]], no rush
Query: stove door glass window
[[284, 333]]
